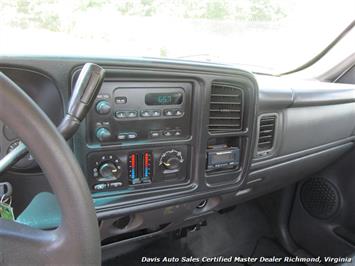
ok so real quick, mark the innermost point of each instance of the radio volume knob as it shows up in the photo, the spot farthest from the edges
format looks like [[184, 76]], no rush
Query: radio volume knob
[[103, 107], [103, 134]]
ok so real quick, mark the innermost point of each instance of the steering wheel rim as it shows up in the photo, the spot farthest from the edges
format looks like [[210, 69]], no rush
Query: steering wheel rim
[[76, 241]]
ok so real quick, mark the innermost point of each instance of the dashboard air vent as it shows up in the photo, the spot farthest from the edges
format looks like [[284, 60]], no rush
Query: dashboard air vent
[[266, 133], [225, 108]]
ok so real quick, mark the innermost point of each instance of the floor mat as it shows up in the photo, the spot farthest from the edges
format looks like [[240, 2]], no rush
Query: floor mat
[[243, 232], [269, 248]]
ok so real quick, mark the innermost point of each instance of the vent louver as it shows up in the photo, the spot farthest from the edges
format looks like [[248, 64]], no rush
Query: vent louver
[[225, 108], [266, 133]]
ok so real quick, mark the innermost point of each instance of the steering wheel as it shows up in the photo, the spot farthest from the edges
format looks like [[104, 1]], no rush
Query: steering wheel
[[76, 241]]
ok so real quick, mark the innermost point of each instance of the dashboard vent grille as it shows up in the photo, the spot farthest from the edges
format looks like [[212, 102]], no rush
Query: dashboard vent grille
[[225, 108], [266, 132]]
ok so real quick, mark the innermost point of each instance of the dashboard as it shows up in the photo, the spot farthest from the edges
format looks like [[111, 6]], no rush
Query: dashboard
[[167, 143], [154, 136]]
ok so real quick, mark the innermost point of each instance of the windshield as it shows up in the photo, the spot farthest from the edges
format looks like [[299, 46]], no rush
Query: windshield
[[265, 35]]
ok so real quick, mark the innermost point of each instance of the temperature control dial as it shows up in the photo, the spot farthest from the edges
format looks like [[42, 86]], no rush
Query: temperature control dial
[[109, 170], [171, 161]]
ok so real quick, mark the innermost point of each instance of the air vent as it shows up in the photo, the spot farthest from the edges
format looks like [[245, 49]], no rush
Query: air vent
[[225, 108], [266, 133]]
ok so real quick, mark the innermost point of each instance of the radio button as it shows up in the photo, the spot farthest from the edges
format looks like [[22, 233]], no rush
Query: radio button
[[122, 136], [120, 114], [168, 112], [178, 113], [121, 100], [131, 135], [155, 133], [168, 133], [156, 113], [132, 114], [146, 113]]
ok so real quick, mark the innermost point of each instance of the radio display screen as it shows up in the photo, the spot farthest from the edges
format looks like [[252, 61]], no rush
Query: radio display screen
[[174, 98]]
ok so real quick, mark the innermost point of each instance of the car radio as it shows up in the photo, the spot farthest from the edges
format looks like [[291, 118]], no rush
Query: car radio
[[144, 111]]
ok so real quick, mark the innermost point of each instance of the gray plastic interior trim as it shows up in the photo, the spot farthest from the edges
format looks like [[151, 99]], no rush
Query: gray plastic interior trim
[[276, 93], [307, 127], [281, 159]]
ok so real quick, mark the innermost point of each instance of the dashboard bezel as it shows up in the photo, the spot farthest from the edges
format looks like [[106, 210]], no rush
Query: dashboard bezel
[[198, 184]]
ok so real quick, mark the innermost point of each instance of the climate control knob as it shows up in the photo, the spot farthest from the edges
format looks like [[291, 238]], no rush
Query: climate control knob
[[109, 171], [171, 160], [103, 134], [103, 107]]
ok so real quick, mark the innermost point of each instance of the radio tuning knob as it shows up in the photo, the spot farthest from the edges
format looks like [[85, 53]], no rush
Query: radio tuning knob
[[103, 134], [171, 160], [103, 107]]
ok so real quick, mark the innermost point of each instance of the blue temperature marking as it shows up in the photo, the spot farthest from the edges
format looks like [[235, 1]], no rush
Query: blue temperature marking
[[146, 172], [133, 174]]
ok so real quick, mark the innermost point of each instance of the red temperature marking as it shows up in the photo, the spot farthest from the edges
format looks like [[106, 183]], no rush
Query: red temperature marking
[[133, 163], [146, 159]]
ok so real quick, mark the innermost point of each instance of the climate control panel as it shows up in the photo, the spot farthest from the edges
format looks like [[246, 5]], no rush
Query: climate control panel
[[140, 168]]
